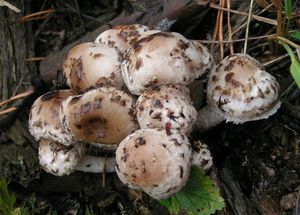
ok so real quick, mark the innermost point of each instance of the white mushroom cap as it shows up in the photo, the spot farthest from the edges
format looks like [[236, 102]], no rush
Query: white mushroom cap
[[167, 104], [44, 118], [58, 159], [104, 115], [99, 65], [242, 90], [202, 158], [71, 58], [122, 36], [161, 58], [155, 161]]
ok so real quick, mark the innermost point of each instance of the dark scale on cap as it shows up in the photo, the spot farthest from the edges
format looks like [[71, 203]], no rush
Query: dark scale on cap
[[157, 116], [139, 63], [214, 78], [260, 93], [78, 126], [125, 155], [175, 141], [168, 127], [75, 99], [267, 90], [171, 115], [85, 108], [181, 171], [222, 102], [38, 124], [229, 78], [123, 36], [97, 103], [139, 142], [49, 95], [157, 103], [182, 45], [141, 108], [229, 66], [97, 55]]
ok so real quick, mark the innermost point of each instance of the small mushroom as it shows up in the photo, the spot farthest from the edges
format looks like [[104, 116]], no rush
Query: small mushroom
[[58, 159], [71, 59], [44, 118], [158, 58], [98, 65], [121, 36], [167, 104], [238, 90], [104, 115], [155, 161], [202, 157]]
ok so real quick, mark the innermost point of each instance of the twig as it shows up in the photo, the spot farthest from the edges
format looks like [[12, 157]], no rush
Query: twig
[[216, 29], [35, 59], [38, 15], [6, 111], [221, 30], [256, 17], [9, 5], [271, 62], [229, 28], [21, 95], [247, 28]]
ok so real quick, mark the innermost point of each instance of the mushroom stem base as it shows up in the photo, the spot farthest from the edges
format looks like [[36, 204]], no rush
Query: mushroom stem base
[[208, 117], [96, 164]]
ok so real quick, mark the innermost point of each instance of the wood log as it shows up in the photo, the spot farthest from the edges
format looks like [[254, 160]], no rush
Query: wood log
[[175, 13]]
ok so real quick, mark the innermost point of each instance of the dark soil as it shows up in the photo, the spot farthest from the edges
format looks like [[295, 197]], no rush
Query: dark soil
[[256, 164]]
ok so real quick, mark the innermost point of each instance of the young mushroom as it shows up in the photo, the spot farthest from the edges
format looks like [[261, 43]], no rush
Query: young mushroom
[[98, 65], [121, 36], [166, 105], [158, 58], [202, 157], [238, 90], [59, 159], [44, 118], [155, 161], [104, 115]]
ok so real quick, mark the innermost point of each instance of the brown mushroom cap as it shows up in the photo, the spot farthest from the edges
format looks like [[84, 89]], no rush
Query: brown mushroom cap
[[104, 115], [44, 118], [155, 161], [167, 104], [242, 90], [121, 36], [98, 65], [58, 159], [71, 58], [158, 58]]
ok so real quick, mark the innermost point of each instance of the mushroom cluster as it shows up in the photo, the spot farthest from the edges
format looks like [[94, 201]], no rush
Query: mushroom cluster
[[129, 95]]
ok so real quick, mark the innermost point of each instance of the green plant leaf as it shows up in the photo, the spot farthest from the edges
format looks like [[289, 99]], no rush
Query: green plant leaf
[[7, 200], [288, 8], [200, 196], [295, 65], [296, 35]]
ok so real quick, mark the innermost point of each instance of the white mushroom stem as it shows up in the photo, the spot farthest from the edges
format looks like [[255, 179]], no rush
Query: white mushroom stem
[[208, 117], [95, 164]]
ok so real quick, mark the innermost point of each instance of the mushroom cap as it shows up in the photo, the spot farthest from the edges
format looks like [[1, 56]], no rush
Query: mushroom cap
[[122, 36], [167, 104], [58, 159], [104, 115], [158, 58], [44, 118], [71, 58], [99, 65], [242, 90], [154, 161]]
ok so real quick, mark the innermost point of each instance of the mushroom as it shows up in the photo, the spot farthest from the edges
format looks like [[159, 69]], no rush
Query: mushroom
[[44, 118], [104, 115], [121, 36], [155, 161], [202, 157], [71, 58], [98, 65], [59, 159], [158, 58], [167, 104], [238, 90]]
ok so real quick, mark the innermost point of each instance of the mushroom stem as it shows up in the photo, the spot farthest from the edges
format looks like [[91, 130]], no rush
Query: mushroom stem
[[95, 164], [208, 117]]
